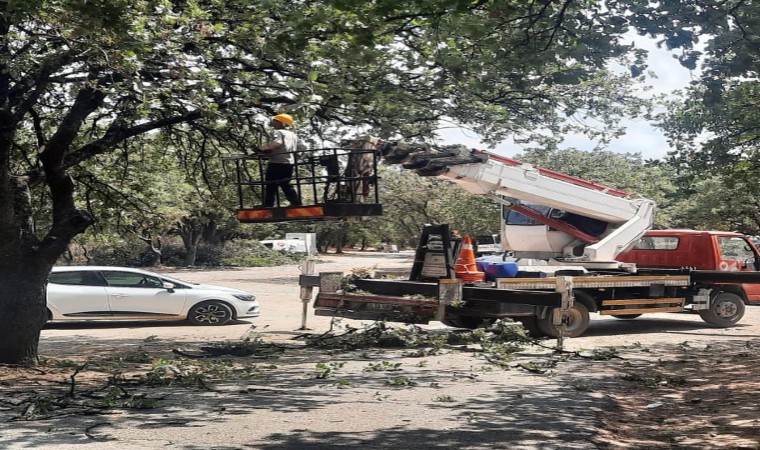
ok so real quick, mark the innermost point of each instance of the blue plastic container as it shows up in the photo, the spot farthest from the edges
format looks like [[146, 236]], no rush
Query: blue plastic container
[[501, 270], [482, 265]]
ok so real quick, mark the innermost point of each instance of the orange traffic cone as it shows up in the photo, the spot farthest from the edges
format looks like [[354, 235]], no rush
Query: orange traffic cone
[[465, 267]]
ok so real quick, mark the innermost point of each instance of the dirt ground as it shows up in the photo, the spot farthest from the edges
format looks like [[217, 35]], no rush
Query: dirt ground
[[660, 381]]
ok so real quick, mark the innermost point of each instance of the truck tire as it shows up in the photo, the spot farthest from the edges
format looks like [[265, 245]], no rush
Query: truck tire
[[576, 322], [725, 310], [530, 323], [469, 322], [626, 316]]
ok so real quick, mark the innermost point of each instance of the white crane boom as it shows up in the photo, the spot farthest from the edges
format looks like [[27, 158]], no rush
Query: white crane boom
[[618, 219]]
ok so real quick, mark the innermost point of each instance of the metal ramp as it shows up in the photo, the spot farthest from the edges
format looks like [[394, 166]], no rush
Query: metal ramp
[[436, 254]]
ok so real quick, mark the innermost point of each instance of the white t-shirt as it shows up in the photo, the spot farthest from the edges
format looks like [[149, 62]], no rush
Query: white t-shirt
[[289, 143]]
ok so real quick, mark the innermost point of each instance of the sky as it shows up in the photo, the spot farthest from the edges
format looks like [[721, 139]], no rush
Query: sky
[[640, 137]]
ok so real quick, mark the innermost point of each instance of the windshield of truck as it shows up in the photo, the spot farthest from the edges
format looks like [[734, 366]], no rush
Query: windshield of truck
[[515, 218], [735, 248]]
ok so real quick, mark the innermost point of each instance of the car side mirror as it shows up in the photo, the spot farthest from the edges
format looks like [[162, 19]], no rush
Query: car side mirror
[[168, 286]]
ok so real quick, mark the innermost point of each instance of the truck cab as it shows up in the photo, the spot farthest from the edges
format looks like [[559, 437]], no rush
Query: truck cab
[[700, 250]]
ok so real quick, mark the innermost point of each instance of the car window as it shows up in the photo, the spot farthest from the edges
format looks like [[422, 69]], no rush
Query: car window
[[131, 279], [77, 278], [657, 243]]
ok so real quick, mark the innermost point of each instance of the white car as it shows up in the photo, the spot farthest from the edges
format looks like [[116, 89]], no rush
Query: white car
[[120, 293]]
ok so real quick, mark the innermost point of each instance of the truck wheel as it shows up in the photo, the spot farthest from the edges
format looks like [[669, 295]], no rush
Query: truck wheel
[[626, 316], [576, 322], [725, 310], [530, 323], [467, 322]]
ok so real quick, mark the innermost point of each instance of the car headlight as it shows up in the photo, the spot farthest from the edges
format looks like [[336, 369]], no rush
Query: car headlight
[[244, 297]]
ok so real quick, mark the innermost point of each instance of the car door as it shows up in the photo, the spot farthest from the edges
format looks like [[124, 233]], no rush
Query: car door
[[737, 254], [139, 294], [80, 293]]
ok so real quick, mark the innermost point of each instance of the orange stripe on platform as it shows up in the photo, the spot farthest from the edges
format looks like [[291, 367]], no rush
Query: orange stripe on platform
[[253, 214], [308, 211]]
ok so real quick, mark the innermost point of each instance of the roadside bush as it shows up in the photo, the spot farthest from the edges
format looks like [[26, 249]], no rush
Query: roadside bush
[[122, 253], [210, 255], [251, 253], [236, 253], [172, 252], [134, 253]]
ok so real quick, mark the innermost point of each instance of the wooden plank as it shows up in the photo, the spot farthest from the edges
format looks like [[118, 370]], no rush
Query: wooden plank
[[619, 312], [643, 301], [368, 298], [595, 282]]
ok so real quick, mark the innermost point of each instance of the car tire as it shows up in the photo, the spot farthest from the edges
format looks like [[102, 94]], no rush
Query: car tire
[[211, 312], [725, 310]]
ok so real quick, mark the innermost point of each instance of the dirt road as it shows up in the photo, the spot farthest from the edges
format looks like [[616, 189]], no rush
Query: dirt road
[[397, 399]]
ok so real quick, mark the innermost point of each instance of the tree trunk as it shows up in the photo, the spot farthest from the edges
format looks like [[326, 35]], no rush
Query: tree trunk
[[323, 242], [191, 253], [23, 311], [215, 234], [339, 238], [154, 247], [191, 233], [25, 264]]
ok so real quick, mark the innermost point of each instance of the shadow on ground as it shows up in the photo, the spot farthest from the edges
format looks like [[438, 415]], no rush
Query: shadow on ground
[[665, 396], [400, 401]]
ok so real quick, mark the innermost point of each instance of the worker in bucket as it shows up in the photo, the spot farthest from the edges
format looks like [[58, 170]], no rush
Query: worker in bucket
[[281, 155]]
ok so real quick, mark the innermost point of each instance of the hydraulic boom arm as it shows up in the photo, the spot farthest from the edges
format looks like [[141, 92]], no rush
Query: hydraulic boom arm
[[581, 221]]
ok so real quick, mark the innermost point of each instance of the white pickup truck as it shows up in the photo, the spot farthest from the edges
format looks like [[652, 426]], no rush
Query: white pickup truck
[[294, 243], [488, 244]]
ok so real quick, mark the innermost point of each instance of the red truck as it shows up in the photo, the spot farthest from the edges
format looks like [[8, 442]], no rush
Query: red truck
[[580, 247], [699, 250]]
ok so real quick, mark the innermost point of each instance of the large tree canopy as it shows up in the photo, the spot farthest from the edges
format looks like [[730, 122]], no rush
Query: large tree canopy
[[80, 78]]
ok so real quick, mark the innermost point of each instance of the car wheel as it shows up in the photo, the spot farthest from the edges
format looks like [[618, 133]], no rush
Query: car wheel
[[725, 310], [576, 321], [210, 313]]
